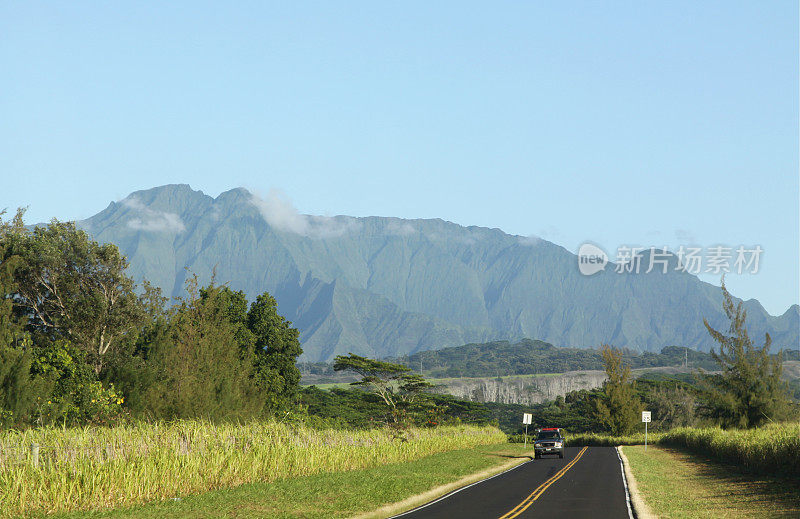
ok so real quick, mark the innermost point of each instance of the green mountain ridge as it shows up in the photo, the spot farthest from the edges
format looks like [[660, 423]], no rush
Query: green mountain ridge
[[387, 287]]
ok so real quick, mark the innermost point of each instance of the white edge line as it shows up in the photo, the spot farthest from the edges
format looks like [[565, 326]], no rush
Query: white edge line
[[456, 491], [625, 482]]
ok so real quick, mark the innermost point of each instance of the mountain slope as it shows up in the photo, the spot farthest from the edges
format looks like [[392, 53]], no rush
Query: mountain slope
[[387, 286]]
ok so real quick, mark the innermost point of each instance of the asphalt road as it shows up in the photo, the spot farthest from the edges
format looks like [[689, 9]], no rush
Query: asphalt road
[[586, 483]]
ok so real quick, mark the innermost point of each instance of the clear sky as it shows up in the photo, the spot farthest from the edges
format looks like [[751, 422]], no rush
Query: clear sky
[[629, 123]]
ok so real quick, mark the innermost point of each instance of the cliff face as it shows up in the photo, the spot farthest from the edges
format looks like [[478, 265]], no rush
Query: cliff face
[[536, 389], [533, 389]]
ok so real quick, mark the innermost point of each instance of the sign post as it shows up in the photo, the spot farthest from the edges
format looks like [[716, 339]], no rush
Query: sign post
[[527, 419], [646, 420]]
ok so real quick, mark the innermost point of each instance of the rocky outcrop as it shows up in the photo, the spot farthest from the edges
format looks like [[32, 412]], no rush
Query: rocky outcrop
[[535, 389], [525, 389]]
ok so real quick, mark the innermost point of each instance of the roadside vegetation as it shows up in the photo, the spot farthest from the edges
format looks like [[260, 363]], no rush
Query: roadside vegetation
[[95, 468], [771, 449], [391, 488], [678, 484]]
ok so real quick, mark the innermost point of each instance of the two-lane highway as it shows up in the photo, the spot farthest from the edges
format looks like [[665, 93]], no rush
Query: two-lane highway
[[587, 483]]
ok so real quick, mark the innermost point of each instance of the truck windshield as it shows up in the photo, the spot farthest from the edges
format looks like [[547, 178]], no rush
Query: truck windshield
[[548, 435]]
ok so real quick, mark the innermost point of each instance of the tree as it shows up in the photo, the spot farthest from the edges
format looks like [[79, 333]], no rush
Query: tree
[[673, 405], [20, 392], [200, 369], [395, 384], [275, 349], [749, 391], [12, 329], [130, 366], [619, 407], [73, 288]]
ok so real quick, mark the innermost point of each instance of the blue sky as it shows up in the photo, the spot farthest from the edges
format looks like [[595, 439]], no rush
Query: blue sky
[[630, 123]]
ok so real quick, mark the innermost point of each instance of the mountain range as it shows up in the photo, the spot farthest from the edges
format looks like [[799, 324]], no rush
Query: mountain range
[[385, 287]]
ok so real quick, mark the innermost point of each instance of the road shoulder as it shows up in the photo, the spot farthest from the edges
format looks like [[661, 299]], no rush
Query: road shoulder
[[640, 508], [676, 483], [434, 494]]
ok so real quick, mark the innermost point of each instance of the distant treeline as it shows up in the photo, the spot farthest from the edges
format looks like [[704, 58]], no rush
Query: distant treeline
[[533, 357], [527, 357], [673, 403]]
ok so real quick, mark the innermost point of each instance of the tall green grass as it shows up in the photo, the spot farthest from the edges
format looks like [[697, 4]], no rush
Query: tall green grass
[[601, 440], [593, 439], [92, 468], [772, 449]]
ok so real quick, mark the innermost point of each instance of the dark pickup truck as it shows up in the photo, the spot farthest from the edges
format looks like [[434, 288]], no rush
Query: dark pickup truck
[[548, 441]]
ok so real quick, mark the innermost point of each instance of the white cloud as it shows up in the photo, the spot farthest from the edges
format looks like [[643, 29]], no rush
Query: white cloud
[[531, 240], [151, 219], [280, 214], [400, 228]]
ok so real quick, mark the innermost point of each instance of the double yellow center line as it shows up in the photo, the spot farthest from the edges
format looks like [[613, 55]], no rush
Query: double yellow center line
[[528, 501]]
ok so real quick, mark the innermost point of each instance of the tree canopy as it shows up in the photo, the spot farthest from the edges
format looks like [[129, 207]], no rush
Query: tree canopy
[[619, 406], [396, 385], [81, 343], [749, 391]]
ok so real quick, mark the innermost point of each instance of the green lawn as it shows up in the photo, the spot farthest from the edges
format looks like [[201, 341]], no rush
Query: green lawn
[[675, 484], [340, 494]]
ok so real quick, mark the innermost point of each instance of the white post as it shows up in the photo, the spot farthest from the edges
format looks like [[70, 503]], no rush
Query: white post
[[35, 454], [645, 436], [526, 436]]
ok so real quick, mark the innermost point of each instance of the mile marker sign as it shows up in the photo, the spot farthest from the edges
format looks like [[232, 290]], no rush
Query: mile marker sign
[[527, 419], [646, 420]]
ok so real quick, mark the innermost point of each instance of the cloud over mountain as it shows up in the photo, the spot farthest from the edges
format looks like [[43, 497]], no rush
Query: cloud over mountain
[[279, 213], [152, 220]]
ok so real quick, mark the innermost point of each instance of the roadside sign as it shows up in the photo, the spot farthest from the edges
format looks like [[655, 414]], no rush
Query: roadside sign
[[646, 420], [527, 419]]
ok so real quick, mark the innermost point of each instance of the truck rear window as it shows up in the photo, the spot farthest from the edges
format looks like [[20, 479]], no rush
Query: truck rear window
[[548, 435]]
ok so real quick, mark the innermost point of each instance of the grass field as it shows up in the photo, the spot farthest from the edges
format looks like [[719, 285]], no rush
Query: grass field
[[340, 494], [96, 468], [676, 484], [772, 449]]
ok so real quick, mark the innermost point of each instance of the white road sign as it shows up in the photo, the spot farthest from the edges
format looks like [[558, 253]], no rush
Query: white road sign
[[527, 418], [646, 416]]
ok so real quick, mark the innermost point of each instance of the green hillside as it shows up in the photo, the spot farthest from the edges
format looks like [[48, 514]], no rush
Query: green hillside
[[533, 357]]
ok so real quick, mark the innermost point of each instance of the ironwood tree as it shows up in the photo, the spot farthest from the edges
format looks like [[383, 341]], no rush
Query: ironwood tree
[[619, 406], [749, 391]]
